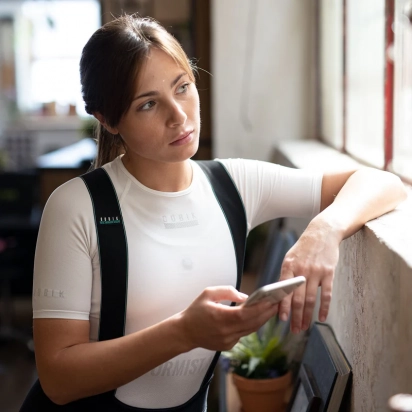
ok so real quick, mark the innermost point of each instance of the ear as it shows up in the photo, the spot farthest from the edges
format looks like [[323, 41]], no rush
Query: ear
[[103, 122]]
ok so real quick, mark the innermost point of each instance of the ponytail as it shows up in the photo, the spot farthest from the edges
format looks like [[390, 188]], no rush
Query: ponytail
[[109, 146]]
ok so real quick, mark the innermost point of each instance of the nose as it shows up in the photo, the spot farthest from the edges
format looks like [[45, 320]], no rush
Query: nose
[[177, 115]]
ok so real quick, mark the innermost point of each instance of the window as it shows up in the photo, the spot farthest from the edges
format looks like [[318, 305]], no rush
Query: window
[[331, 66], [51, 36], [366, 80], [365, 75], [402, 54]]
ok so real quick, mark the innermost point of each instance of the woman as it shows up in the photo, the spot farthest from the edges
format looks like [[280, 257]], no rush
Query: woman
[[139, 84]]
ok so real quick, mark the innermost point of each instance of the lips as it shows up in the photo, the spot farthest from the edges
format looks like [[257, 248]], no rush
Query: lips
[[183, 138]]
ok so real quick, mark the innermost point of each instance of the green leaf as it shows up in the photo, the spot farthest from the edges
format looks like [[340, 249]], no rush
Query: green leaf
[[253, 362], [255, 356]]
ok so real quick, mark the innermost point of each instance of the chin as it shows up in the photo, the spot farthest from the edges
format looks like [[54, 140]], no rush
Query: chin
[[194, 150], [191, 150], [186, 152]]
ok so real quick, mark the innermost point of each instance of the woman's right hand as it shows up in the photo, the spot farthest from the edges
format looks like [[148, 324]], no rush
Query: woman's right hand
[[209, 324]]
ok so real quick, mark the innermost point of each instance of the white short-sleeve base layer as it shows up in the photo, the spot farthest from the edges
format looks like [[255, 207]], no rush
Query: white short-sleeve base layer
[[178, 244]]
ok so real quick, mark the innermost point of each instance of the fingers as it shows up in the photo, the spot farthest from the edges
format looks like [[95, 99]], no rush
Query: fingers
[[284, 307], [239, 321], [298, 305], [325, 298], [242, 319], [303, 300], [310, 302], [253, 323], [221, 293]]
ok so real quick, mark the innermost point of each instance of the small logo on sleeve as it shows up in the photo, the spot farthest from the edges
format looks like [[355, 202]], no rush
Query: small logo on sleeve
[[109, 220], [48, 293]]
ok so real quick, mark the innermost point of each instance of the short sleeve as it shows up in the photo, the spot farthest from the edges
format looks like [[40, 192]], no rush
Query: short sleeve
[[270, 191], [62, 282]]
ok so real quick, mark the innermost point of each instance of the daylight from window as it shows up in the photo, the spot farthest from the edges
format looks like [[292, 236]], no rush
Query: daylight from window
[[52, 36]]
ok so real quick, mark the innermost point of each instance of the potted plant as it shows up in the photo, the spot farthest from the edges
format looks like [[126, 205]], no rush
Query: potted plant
[[260, 368]]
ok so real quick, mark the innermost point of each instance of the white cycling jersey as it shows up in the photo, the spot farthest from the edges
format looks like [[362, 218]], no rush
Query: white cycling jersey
[[178, 242]]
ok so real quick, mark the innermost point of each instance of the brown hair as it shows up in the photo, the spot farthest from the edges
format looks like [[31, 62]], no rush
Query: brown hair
[[110, 64]]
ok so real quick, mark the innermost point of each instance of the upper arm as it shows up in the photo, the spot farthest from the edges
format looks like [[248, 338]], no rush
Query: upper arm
[[332, 183], [270, 191], [51, 336], [63, 274]]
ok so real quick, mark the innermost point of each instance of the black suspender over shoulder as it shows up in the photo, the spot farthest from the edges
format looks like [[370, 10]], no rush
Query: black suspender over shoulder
[[112, 244], [232, 206]]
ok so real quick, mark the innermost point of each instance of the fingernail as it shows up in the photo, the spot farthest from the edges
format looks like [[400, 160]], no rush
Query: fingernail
[[295, 330], [243, 295], [284, 316], [322, 318], [304, 327]]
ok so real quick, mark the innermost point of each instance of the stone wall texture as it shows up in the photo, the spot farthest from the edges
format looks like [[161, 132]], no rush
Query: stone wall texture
[[371, 314]]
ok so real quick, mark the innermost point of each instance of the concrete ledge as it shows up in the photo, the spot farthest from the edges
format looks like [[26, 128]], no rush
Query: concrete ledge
[[372, 292]]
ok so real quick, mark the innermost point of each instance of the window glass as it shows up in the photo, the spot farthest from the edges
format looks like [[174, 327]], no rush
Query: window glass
[[402, 52], [365, 56], [331, 72], [53, 34]]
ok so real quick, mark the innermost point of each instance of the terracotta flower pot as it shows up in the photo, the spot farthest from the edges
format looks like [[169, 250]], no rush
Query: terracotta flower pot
[[263, 395]]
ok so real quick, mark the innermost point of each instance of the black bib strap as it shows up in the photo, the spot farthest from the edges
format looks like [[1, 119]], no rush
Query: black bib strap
[[112, 244], [232, 206]]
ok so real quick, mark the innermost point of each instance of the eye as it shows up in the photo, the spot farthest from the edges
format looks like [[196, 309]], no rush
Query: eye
[[148, 105], [183, 88]]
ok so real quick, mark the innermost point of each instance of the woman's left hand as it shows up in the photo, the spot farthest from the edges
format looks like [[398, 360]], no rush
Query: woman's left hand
[[349, 199], [314, 256]]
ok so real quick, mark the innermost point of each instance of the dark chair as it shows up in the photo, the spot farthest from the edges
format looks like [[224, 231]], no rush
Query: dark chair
[[279, 241], [19, 222]]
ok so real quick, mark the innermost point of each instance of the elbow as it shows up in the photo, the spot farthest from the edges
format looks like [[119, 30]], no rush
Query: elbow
[[59, 401], [54, 396], [395, 190], [400, 187], [55, 392]]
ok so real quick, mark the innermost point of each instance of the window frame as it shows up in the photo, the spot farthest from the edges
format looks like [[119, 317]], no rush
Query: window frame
[[388, 87]]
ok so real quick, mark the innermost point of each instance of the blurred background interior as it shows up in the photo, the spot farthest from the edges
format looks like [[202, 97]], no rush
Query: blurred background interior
[[271, 71], [46, 137]]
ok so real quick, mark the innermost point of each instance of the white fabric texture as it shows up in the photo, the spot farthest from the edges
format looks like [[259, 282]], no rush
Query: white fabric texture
[[179, 244]]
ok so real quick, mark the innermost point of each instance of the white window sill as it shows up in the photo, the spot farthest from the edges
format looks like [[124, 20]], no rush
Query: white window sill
[[393, 229]]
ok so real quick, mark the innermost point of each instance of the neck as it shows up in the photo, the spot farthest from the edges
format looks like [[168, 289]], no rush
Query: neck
[[164, 177]]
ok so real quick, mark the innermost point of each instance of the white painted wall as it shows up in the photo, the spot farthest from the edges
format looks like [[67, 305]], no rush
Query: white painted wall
[[263, 86]]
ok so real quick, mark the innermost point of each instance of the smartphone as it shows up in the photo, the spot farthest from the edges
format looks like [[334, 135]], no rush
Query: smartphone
[[275, 292]]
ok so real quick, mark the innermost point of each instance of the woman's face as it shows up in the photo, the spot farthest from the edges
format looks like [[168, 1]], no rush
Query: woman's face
[[163, 121]]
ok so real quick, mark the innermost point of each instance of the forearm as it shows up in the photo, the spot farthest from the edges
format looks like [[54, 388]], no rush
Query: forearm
[[367, 194], [349, 200], [88, 369]]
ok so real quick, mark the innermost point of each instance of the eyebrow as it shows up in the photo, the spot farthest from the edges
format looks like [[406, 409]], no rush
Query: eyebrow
[[155, 93]]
